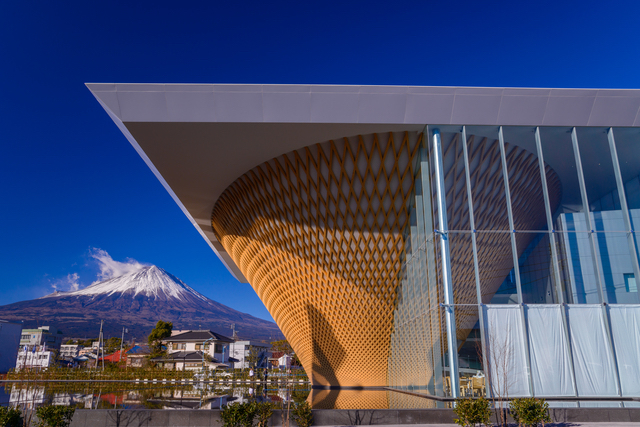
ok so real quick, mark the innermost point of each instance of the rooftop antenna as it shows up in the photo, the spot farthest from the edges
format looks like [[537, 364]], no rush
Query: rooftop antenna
[[235, 333]]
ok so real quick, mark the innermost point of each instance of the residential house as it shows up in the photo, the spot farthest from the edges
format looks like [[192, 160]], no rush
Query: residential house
[[246, 354], [69, 351], [209, 342], [137, 356], [187, 361], [36, 358]]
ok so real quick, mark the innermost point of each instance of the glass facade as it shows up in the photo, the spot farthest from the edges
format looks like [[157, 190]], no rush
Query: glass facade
[[543, 254]]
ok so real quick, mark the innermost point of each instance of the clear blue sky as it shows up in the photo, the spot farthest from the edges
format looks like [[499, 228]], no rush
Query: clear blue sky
[[69, 181]]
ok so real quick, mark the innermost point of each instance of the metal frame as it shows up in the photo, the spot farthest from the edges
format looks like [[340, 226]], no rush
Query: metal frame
[[476, 269], [450, 319], [554, 256], [595, 252], [514, 251], [425, 176], [623, 203], [585, 206]]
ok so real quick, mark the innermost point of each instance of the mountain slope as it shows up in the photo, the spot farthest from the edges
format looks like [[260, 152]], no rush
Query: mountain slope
[[136, 301]]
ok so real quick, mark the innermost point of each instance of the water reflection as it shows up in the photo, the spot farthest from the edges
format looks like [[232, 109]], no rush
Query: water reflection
[[149, 396], [197, 396]]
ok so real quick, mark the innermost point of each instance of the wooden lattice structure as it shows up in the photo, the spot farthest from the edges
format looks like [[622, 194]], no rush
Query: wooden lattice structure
[[318, 233]]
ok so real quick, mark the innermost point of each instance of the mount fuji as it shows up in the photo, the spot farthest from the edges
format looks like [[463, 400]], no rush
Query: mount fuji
[[136, 301]]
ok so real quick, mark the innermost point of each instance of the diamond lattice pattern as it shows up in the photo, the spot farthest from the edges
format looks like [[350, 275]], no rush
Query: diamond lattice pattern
[[318, 234]]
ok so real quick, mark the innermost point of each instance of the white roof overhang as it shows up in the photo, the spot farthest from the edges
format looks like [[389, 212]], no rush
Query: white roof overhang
[[198, 139]]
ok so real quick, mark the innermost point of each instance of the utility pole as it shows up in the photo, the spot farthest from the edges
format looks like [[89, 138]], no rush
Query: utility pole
[[121, 343], [100, 346]]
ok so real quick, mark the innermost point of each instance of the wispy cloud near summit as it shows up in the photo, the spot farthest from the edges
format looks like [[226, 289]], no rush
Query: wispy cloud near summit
[[110, 268], [68, 283], [107, 268]]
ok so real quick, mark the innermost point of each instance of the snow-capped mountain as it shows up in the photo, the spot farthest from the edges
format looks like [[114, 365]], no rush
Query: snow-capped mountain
[[136, 301], [152, 282]]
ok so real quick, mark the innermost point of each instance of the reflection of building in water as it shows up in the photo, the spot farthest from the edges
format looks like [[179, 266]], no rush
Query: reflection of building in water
[[194, 398], [367, 399], [32, 397], [29, 397]]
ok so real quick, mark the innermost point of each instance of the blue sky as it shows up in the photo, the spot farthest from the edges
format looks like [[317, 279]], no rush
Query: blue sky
[[71, 184]]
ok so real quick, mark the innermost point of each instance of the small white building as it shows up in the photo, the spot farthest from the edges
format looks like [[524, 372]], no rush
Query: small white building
[[39, 359], [249, 354], [10, 342], [70, 350]]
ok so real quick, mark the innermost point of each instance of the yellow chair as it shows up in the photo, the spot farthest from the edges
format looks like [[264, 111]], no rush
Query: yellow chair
[[477, 383]]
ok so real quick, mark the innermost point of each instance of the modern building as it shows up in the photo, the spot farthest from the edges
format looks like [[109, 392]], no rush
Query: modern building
[[209, 342], [411, 236], [10, 338], [70, 350], [249, 354], [37, 358], [48, 336]]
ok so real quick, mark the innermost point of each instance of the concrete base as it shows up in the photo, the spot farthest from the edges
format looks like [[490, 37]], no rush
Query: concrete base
[[330, 417]]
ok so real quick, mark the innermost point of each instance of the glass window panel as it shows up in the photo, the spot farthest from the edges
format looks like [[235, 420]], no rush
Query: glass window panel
[[487, 183], [574, 251], [536, 272], [564, 191], [615, 259], [455, 179], [628, 149], [597, 165], [525, 184], [495, 264]]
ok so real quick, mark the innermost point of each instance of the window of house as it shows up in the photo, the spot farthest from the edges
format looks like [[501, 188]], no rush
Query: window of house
[[219, 348], [198, 346], [630, 283]]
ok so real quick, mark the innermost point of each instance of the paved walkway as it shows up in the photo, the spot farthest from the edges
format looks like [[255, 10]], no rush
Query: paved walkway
[[607, 424]]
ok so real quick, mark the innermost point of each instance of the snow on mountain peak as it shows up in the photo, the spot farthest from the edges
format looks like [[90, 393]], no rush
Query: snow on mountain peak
[[150, 281]]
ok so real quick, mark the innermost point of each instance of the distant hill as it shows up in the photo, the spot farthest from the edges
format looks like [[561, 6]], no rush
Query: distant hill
[[136, 301]]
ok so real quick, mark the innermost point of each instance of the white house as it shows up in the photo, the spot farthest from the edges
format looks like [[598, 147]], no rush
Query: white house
[[38, 359], [242, 352], [70, 350]]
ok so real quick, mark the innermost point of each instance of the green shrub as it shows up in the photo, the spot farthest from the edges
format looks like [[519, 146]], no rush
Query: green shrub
[[239, 414], [530, 411], [302, 414], [264, 411], [472, 411], [54, 416], [10, 417]]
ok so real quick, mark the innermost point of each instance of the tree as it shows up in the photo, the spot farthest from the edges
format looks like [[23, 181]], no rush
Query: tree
[[161, 331], [69, 342], [281, 346], [252, 358], [112, 345]]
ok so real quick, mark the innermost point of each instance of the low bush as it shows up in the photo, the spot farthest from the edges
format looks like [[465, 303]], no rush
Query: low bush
[[54, 416], [239, 414], [472, 411], [10, 417], [302, 414], [530, 411], [264, 411]]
